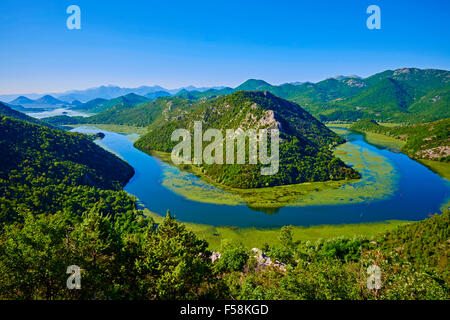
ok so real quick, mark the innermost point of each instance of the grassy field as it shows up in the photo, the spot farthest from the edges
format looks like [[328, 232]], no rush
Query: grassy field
[[380, 140], [252, 237], [441, 168], [115, 128], [383, 140]]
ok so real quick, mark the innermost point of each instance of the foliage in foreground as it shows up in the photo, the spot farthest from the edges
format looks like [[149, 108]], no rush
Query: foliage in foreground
[[130, 257]]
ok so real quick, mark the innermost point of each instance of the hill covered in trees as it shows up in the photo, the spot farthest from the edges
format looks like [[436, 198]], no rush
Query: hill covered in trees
[[429, 141], [9, 112], [98, 105], [48, 171], [304, 149]]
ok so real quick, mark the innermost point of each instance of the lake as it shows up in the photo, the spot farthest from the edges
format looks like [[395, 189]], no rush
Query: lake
[[417, 192], [55, 111]]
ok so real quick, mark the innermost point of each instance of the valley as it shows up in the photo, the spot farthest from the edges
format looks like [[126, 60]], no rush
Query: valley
[[99, 175]]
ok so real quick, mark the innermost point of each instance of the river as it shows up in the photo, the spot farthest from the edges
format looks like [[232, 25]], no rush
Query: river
[[417, 192]]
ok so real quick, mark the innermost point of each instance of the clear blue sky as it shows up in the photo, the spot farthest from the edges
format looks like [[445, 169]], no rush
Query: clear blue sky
[[204, 43]]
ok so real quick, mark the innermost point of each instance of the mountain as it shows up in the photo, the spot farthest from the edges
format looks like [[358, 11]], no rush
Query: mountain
[[433, 105], [402, 95], [305, 148], [94, 104], [386, 95], [157, 94], [21, 100], [140, 115], [111, 92], [422, 80], [98, 105], [7, 111], [254, 85], [48, 99], [408, 95], [390, 96], [106, 92], [430, 141]]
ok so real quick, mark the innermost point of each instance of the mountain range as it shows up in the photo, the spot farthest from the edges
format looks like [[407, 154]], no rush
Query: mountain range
[[105, 92], [44, 100]]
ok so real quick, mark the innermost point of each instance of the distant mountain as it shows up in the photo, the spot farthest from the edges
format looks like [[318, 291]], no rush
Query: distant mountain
[[106, 92], [76, 103], [193, 88], [402, 95], [254, 85], [21, 100], [111, 92], [157, 94], [141, 115], [304, 150], [386, 95], [49, 100], [98, 105]]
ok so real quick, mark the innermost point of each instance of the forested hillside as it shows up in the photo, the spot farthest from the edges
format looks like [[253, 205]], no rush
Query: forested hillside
[[49, 171], [140, 115], [429, 141], [402, 95], [9, 112], [304, 149], [98, 105]]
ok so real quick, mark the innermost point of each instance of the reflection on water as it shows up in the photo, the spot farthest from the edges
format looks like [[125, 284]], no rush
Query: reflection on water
[[418, 192]]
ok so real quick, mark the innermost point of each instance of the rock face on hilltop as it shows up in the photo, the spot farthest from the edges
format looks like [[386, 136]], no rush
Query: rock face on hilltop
[[305, 143]]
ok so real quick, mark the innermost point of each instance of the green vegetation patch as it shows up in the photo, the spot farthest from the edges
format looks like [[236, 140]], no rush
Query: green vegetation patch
[[257, 238]]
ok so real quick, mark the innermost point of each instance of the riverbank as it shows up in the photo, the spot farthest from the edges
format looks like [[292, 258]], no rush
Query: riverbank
[[376, 139], [441, 168], [113, 128]]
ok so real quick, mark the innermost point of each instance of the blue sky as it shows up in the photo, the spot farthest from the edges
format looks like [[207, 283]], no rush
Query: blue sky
[[205, 43]]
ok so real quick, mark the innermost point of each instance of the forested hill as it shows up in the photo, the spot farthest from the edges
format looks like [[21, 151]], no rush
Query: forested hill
[[141, 115], [9, 112], [429, 141], [49, 152], [48, 171], [99, 105], [305, 142]]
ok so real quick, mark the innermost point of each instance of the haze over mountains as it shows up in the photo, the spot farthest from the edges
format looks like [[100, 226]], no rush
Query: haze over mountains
[[404, 95], [105, 92]]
